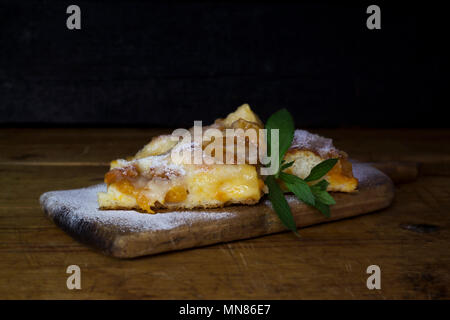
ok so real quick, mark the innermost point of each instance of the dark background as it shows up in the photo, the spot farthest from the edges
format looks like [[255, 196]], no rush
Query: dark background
[[166, 64]]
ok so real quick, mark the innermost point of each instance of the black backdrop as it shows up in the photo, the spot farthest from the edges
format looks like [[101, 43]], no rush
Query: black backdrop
[[168, 63]]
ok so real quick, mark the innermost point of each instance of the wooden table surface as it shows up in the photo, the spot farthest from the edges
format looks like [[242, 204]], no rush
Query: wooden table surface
[[328, 262]]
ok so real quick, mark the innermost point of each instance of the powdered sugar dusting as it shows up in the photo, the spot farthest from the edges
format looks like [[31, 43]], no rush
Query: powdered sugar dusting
[[306, 140], [80, 205], [160, 165], [367, 175]]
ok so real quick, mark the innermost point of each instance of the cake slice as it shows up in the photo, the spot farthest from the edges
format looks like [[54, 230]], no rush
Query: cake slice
[[308, 150], [153, 179]]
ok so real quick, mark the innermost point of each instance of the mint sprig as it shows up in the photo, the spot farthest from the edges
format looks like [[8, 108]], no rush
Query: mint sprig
[[321, 169], [280, 205], [298, 187], [313, 195], [281, 120]]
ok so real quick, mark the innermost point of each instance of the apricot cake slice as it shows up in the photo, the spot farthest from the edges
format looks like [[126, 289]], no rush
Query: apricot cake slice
[[154, 179], [308, 150]]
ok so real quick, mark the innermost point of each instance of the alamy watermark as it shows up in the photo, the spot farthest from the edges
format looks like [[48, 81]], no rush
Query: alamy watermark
[[74, 280], [374, 280], [228, 146]]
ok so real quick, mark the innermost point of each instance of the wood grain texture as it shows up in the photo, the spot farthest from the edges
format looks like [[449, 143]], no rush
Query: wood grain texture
[[399, 171], [91, 146], [328, 262], [75, 211]]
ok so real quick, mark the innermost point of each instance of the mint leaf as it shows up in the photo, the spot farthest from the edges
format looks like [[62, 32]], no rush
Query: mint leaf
[[320, 192], [323, 208], [321, 185], [315, 195], [281, 120], [279, 204], [284, 165], [324, 197], [321, 169], [298, 187]]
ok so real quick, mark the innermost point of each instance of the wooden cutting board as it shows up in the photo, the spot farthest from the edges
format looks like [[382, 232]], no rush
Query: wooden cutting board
[[128, 234]]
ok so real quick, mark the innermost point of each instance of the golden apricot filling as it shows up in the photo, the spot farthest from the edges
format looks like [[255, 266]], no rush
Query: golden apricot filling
[[128, 181], [176, 194], [339, 174], [119, 174], [126, 187], [217, 184]]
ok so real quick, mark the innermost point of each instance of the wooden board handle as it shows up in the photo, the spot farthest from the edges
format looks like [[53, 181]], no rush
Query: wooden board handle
[[398, 171]]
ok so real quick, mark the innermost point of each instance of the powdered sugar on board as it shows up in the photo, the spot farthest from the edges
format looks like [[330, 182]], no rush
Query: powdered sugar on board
[[127, 234], [81, 207]]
